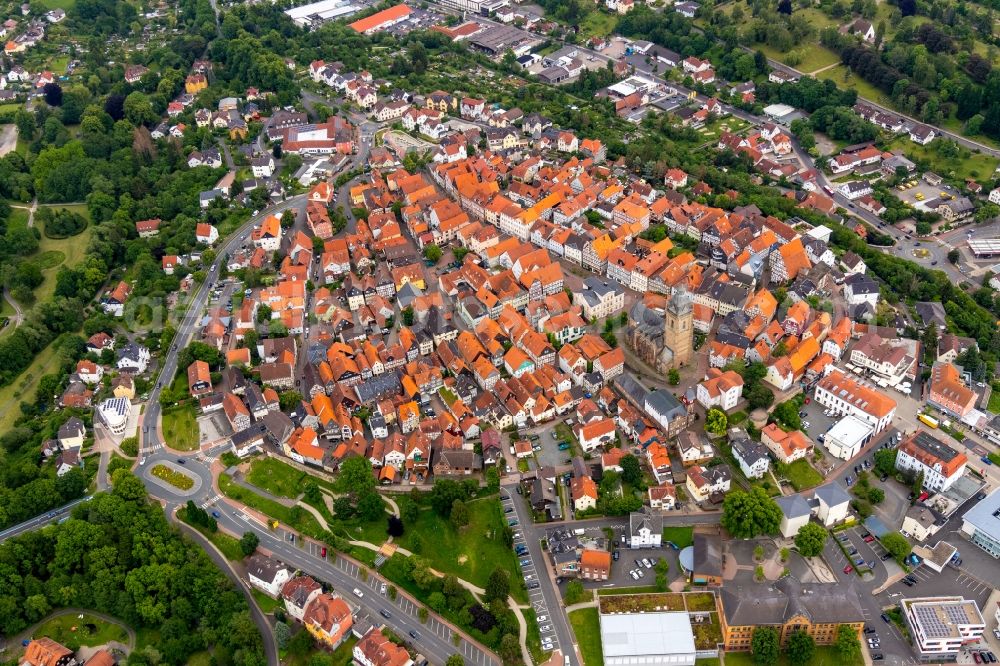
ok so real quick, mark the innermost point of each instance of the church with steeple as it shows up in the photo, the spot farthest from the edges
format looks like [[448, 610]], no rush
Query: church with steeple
[[663, 337]]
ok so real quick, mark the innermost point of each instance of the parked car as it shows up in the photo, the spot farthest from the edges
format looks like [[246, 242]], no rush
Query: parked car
[[848, 569], [885, 618], [877, 656]]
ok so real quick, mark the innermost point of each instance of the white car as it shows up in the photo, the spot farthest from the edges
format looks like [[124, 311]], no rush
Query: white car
[[142, 461], [358, 593], [542, 618], [383, 588]]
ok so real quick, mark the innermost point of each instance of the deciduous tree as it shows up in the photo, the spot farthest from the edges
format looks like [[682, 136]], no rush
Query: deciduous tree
[[810, 540]]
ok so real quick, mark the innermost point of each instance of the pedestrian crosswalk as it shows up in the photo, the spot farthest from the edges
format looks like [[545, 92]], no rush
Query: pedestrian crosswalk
[[211, 500], [152, 446]]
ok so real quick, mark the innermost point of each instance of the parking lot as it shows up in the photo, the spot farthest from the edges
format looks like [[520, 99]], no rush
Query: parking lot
[[532, 570], [864, 552], [921, 192], [951, 581]]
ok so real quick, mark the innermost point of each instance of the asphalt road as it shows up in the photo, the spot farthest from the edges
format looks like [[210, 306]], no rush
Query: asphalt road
[[40, 521]]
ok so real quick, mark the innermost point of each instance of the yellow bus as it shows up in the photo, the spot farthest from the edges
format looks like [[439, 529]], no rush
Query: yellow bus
[[929, 421]]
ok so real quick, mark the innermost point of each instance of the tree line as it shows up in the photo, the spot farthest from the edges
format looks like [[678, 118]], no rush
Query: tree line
[[118, 555]]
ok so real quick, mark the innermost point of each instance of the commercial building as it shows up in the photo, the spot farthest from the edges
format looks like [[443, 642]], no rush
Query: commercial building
[[647, 639], [818, 609], [381, 20], [847, 436], [981, 524], [845, 396], [317, 13], [941, 626], [941, 465], [984, 248]]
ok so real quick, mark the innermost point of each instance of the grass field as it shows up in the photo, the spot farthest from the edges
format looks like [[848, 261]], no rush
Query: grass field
[[23, 388], [681, 536], [65, 5], [587, 628], [60, 629], [296, 517], [471, 552], [802, 475], [279, 478], [812, 56], [598, 24], [823, 656], [994, 405], [71, 251], [14, 106], [180, 428], [974, 166], [844, 78]]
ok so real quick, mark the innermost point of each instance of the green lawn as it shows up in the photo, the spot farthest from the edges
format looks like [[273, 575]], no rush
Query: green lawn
[[13, 106], [54, 253], [587, 628], [534, 638], [61, 630], [681, 536], [65, 5], [266, 603], [227, 545], [276, 477], [994, 405], [598, 24], [975, 166], [472, 552], [23, 388], [823, 656], [802, 475], [844, 78], [296, 517], [280, 478], [811, 56], [180, 427]]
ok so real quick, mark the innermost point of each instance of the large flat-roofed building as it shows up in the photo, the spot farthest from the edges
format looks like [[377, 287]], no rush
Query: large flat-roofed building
[[941, 626], [317, 13], [845, 439], [981, 524], [495, 40], [985, 247], [788, 606], [647, 639], [381, 20]]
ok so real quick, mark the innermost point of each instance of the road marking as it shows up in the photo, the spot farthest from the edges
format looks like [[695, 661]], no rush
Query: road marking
[[211, 500]]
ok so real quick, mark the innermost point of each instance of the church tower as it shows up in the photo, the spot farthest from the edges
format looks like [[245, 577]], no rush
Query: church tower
[[678, 327]]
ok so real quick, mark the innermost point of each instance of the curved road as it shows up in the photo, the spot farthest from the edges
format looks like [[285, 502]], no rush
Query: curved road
[[27, 633]]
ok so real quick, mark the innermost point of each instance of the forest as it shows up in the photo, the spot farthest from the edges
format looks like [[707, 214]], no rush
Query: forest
[[118, 555]]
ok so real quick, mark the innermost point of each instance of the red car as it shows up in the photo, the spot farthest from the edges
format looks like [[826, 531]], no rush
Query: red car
[[322, 553], [869, 538], [975, 655], [923, 496], [808, 400], [848, 569]]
